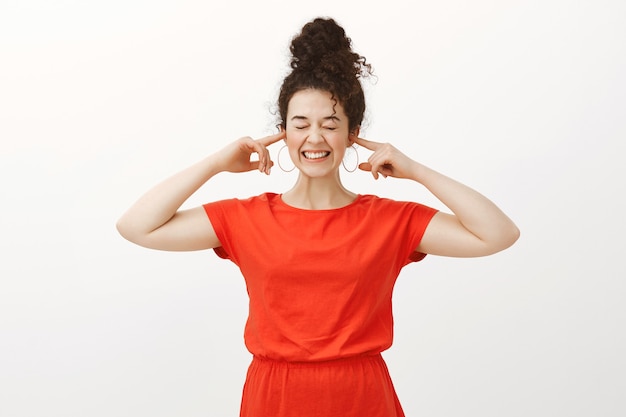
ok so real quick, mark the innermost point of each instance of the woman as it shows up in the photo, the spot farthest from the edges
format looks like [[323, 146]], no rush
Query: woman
[[319, 261]]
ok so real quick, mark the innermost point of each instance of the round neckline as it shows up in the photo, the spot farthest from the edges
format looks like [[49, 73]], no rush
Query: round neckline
[[288, 206]]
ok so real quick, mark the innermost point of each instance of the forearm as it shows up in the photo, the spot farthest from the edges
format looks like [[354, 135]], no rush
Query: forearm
[[157, 206]]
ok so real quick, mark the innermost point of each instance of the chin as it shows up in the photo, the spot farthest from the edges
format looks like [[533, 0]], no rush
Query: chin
[[319, 173]]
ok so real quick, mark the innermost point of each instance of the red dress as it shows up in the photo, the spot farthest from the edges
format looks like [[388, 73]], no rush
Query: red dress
[[320, 284]]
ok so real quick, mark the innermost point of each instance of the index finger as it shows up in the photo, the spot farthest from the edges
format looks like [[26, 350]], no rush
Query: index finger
[[368, 144], [268, 140]]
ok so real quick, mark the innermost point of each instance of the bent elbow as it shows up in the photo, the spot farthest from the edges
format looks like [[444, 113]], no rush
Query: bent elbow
[[515, 234], [508, 238], [122, 229], [125, 229]]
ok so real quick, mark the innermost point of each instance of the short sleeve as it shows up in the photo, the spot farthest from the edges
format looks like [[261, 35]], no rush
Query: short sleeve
[[418, 217], [217, 213]]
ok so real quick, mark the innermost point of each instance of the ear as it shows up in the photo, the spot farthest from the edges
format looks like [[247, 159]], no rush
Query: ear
[[353, 135], [281, 129]]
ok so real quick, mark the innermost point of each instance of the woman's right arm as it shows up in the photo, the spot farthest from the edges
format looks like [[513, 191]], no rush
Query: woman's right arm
[[155, 221]]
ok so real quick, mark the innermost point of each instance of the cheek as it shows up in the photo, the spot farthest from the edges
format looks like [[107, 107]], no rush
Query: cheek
[[294, 142], [341, 141], [295, 137]]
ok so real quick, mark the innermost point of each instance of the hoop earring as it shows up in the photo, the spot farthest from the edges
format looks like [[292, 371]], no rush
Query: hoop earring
[[281, 165], [355, 154]]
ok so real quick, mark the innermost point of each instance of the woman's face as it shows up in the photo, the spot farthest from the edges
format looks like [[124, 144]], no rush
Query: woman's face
[[317, 132]]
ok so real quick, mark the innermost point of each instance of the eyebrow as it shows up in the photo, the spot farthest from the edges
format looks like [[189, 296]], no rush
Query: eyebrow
[[332, 118]]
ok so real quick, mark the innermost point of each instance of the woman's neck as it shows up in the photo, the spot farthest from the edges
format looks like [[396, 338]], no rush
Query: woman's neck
[[318, 194]]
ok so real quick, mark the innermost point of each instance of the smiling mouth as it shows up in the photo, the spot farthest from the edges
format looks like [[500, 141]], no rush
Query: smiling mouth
[[315, 155]]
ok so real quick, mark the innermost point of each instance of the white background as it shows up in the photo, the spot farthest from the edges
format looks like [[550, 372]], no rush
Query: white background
[[523, 100]]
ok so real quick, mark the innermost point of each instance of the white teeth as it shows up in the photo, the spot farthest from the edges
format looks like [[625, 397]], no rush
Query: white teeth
[[315, 155]]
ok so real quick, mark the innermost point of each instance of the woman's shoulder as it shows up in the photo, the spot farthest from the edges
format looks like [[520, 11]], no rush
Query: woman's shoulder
[[377, 205], [385, 201], [262, 199]]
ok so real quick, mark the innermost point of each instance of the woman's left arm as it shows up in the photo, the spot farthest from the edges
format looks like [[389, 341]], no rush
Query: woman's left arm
[[477, 226]]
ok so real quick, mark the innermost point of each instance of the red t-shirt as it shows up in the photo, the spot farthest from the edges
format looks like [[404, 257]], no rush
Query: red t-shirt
[[319, 281]]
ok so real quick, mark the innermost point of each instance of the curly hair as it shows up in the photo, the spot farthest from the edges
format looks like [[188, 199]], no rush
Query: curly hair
[[322, 59]]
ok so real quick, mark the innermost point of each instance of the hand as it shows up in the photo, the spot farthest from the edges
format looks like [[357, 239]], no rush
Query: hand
[[386, 160], [236, 156]]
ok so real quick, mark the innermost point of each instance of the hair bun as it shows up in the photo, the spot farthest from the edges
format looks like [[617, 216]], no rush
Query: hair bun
[[322, 46]]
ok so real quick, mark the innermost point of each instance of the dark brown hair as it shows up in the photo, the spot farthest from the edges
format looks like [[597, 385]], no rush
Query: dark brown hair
[[322, 58]]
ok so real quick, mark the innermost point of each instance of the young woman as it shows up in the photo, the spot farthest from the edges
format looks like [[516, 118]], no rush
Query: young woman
[[319, 261]]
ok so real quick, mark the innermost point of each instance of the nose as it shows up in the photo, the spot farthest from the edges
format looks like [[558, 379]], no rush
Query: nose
[[315, 136]]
